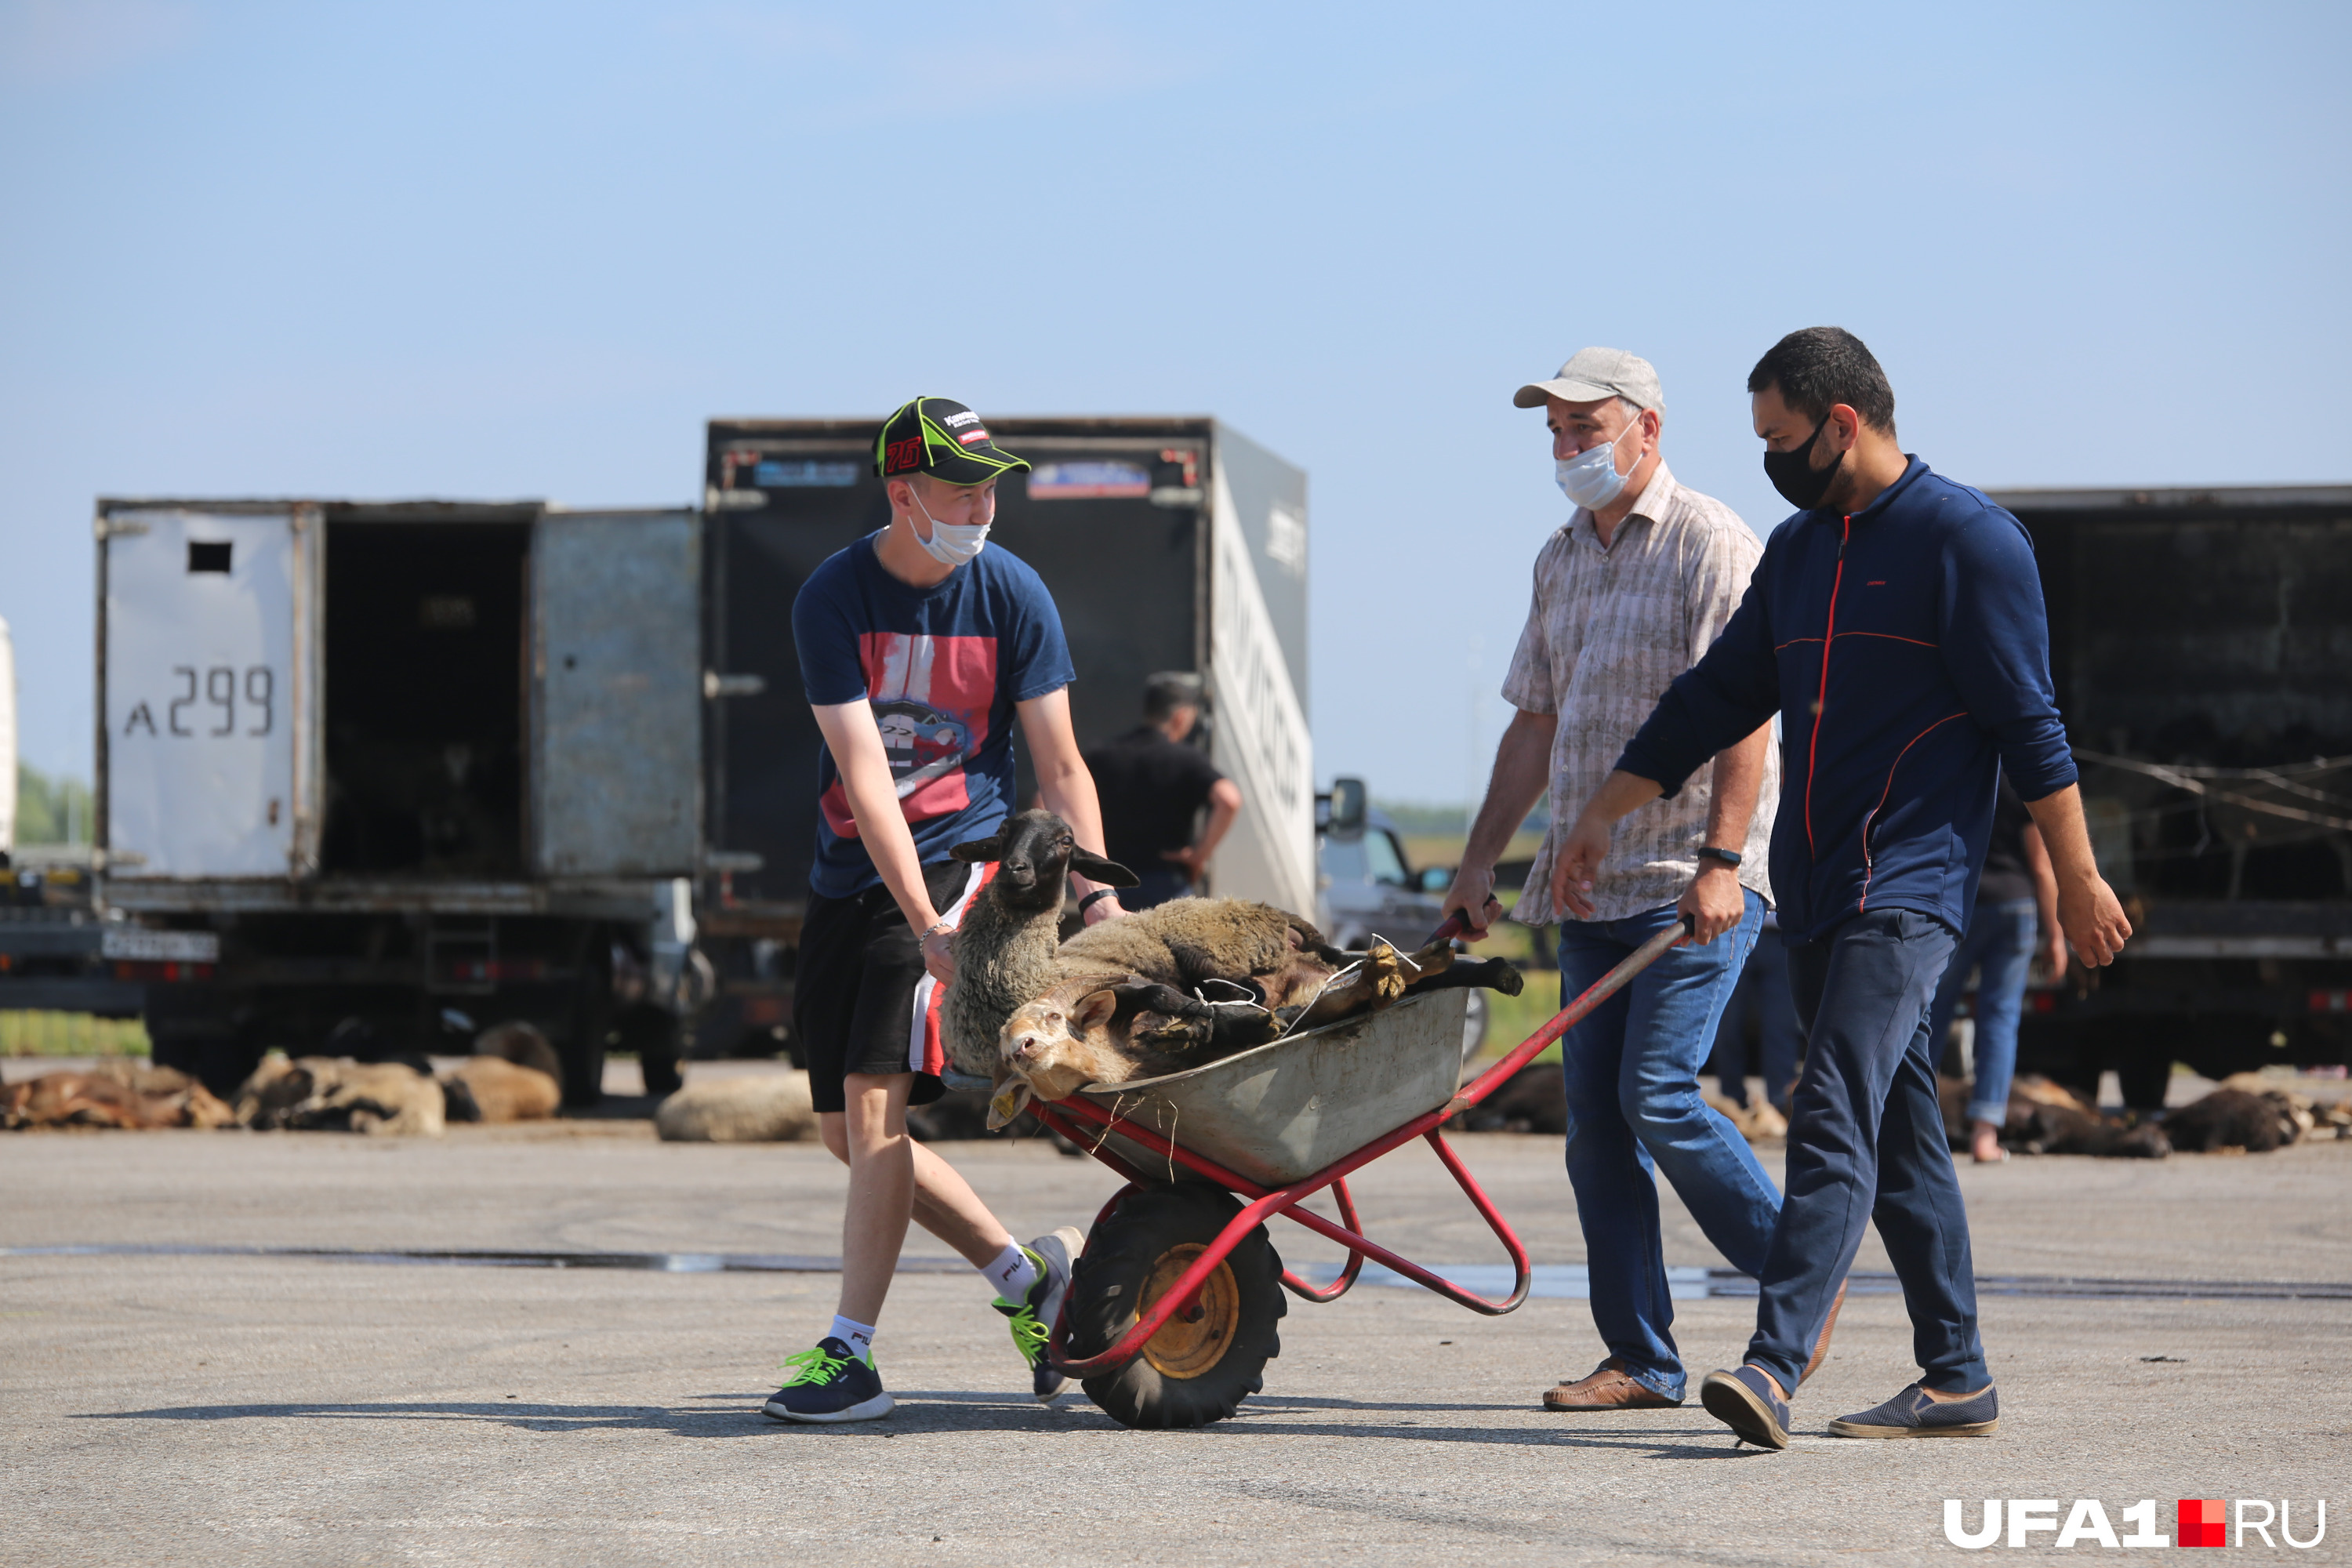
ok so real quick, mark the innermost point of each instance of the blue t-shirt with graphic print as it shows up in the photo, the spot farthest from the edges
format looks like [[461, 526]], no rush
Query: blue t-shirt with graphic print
[[943, 667]]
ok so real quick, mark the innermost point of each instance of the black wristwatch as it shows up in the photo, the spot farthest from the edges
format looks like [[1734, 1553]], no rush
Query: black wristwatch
[[1728, 856], [1098, 896]]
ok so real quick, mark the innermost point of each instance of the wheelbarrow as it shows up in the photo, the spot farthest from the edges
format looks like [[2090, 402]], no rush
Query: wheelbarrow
[[1172, 1310]]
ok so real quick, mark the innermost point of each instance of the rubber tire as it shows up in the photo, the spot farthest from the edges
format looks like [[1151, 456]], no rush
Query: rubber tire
[[654, 1035], [1118, 1260], [194, 1027]]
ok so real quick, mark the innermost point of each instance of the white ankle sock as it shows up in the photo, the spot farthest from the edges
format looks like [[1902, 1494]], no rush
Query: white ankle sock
[[858, 1337], [1011, 1273]]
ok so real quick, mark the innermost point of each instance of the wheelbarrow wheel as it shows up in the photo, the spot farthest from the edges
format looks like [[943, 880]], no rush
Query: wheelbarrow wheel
[[1197, 1369]]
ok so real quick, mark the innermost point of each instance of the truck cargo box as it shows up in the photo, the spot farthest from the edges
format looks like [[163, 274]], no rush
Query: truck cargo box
[[2201, 642], [394, 753]]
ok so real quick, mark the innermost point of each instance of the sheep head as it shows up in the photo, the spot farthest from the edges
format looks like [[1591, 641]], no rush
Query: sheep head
[[1034, 851], [1054, 1047]]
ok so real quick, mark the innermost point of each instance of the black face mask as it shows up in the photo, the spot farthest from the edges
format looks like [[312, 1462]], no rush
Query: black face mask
[[1800, 484]]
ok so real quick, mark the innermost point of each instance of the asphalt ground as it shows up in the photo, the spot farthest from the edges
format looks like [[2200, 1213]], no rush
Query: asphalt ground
[[171, 1408]]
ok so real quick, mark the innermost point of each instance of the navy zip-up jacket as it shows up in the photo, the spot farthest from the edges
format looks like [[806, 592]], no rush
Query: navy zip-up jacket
[[1907, 651]]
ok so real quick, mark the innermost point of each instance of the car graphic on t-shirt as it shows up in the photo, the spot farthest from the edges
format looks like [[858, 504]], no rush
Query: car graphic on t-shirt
[[931, 697]]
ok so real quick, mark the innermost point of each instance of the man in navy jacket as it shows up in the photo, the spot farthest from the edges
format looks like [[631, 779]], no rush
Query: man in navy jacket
[[1896, 625]]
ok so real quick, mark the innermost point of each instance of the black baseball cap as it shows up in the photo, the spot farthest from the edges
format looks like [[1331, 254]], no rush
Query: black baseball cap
[[941, 436]]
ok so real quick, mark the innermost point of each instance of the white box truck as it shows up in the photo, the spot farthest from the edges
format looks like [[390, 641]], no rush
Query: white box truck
[[392, 772]]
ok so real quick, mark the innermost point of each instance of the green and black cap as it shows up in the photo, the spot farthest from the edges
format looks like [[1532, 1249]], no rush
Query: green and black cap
[[940, 436]]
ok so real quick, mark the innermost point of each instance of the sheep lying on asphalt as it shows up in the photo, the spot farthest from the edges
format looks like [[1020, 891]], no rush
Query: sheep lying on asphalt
[[112, 1094], [751, 1108], [336, 1094], [492, 1089], [1183, 983]]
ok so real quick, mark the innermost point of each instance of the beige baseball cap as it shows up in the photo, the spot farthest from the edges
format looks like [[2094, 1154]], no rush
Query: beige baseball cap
[[1591, 374]]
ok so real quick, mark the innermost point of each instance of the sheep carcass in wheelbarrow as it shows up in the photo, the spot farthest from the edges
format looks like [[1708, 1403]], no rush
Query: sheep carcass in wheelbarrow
[[1173, 1310]]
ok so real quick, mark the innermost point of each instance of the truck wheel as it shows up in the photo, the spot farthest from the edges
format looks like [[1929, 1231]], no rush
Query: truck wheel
[[193, 1027], [1190, 1372], [581, 1047], [653, 1034]]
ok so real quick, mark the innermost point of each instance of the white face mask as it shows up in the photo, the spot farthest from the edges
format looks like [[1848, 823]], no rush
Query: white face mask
[[951, 543], [1590, 479]]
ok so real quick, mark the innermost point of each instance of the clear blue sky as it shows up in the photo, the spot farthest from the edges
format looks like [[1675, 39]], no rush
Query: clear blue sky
[[495, 249]]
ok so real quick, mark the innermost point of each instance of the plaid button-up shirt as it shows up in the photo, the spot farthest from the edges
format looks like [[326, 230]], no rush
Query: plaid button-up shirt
[[1606, 633]]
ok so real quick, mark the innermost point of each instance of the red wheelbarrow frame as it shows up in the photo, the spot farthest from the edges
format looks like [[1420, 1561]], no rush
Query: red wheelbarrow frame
[[1090, 1127]]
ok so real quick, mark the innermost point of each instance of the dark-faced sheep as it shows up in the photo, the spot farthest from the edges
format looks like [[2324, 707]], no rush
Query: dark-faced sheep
[[1005, 947], [2232, 1119]]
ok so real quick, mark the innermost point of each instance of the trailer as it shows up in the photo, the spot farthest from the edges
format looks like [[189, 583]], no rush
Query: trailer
[[1168, 544], [372, 777], [2200, 641]]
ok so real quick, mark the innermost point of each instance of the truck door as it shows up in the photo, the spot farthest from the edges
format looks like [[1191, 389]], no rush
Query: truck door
[[208, 689], [617, 693]]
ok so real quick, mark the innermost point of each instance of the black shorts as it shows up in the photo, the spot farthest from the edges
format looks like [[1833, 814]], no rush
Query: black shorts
[[854, 988]]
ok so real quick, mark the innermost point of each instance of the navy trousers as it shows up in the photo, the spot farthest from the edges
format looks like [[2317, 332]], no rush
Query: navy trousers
[[1867, 1144]]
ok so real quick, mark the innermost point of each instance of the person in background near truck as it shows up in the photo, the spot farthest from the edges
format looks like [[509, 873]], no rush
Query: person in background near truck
[[1897, 625], [1153, 787], [1627, 595], [2016, 912], [1763, 991], [919, 621]]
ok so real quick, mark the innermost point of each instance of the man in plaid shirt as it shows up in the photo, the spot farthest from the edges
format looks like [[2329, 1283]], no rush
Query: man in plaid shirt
[[1627, 595]]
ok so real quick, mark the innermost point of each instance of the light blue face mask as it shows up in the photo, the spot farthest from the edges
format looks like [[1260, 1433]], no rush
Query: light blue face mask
[[951, 543], [1590, 479]]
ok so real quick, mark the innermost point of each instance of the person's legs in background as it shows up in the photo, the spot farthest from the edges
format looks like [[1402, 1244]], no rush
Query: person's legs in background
[[2005, 961], [1780, 1040], [1727, 1062]]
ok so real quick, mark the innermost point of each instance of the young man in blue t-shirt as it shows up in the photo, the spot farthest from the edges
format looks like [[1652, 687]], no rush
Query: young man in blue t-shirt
[[918, 647]]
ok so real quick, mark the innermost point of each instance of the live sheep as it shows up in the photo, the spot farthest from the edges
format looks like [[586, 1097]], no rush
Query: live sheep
[[1138, 996], [1006, 947]]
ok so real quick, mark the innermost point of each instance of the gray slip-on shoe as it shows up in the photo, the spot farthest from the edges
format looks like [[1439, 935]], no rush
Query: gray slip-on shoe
[[1911, 1414]]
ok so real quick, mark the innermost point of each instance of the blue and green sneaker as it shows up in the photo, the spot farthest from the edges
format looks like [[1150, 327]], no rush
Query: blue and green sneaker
[[831, 1382], [1032, 1316]]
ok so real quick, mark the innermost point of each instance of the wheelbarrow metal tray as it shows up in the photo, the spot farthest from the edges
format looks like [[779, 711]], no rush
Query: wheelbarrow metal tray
[[1285, 1110]]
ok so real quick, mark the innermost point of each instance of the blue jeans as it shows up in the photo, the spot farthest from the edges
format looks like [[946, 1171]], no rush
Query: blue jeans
[[1866, 1146], [2000, 941], [1634, 1106]]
